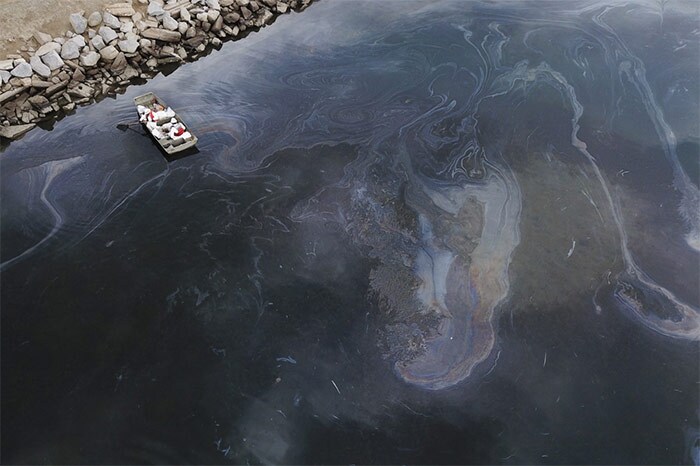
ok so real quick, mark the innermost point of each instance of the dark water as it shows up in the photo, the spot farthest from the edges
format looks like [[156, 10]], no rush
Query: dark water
[[452, 232]]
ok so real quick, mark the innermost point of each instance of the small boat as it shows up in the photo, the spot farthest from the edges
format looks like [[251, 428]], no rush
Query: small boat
[[170, 143]]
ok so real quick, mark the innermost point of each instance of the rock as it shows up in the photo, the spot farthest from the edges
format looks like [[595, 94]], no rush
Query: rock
[[160, 34], [203, 17], [225, 3], [42, 38], [110, 20], [89, 59], [81, 91], [5, 96], [14, 132], [6, 65], [4, 76], [137, 17], [155, 9], [40, 84], [46, 48], [168, 22], [107, 34], [94, 19], [78, 40], [23, 70], [266, 17], [79, 23], [109, 53], [213, 4], [213, 15], [98, 42], [282, 7], [218, 24], [152, 62], [39, 67], [128, 46], [185, 14], [119, 63], [232, 18], [120, 9], [145, 42], [127, 26], [129, 73], [78, 76], [52, 60], [70, 50], [39, 102], [59, 86], [246, 12], [182, 27]]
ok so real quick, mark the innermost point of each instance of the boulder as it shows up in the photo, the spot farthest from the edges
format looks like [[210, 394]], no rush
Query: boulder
[[4, 76], [46, 48], [282, 7], [39, 102], [39, 67], [185, 14], [213, 4], [155, 9], [246, 12], [128, 46], [168, 22], [109, 53], [160, 34], [79, 76], [121, 9], [81, 91], [14, 132], [108, 34], [89, 59], [98, 42], [23, 70], [94, 19], [42, 38], [110, 20], [70, 50], [218, 24], [127, 26], [6, 65], [119, 63], [213, 15], [79, 23], [78, 40], [52, 60]]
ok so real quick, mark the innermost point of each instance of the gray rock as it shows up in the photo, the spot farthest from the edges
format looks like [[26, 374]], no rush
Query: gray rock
[[79, 23], [155, 9], [145, 42], [119, 63], [127, 26], [168, 22], [213, 15], [109, 53], [39, 102], [282, 7], [39, 67], [107, 34], [160, 34], [213, 4], [245, 12], [219, 23], [4, 76], [81, 91], [185, 14], [6, 65], [224, 3], [182, 27], [98, 42], [128, 46], [14, 132], [52, 60], [23, 70], [46, 48], [42, 37], [78, 40], [94, 19], [110, 20], [79, 76], [89, 59], [70, 50]]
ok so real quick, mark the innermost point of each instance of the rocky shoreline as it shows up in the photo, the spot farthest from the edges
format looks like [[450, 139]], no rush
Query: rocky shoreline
[[107, 50]]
